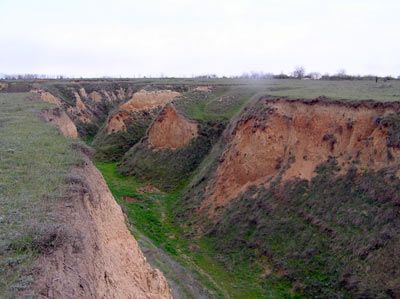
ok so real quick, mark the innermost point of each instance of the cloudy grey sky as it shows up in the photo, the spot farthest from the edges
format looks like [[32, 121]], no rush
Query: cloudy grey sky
[[184, 37]]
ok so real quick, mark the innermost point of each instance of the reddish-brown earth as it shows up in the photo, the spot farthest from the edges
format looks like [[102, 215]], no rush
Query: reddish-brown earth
[[84, 114], [171, 130], [116, 123], [3, 86], [97, 256], [140, 101], [292, 138], [143, 99], [93, 254], [61, 120], [204, 88], [46, 96], [95, 96]]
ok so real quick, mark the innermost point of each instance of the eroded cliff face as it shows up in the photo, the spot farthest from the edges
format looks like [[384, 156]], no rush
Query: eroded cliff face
[[171, 130], [87, 104], [117, 122], [171, 149], [289, 139], [3, 86], [90, 253], [129, 122], [46, 96], [144, 99], [58, 118], [310, 186], [140, 102], [98, 257]]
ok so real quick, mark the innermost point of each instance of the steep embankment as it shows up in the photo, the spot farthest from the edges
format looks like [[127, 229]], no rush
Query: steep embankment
[[171, 130], [128, 124], [95, 255], [61, 120], [311, 186], [62, 235], [172, 149], [87, 104], [288, 140], [89, 251]]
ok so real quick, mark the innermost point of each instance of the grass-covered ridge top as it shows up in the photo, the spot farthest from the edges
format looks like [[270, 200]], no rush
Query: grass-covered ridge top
[[35, 158]]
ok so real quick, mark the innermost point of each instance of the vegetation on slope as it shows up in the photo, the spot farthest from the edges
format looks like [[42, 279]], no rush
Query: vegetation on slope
[[333, 236], [112, 146], [34, 160], [166, 167], [153, 214]]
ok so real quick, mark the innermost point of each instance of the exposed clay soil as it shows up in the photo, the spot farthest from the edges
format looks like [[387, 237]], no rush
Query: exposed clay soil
[[61, 120], [90, 253], [3, 86], [143, 99], [140, 101], [117, 122], [95, 96], [84, 114], [204, 88], [289, 139], [97, 257], [171, 130], [46, 96]]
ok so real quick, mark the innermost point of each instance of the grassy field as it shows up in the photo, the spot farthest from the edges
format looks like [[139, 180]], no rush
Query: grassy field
[[34, 159], [343, 89], [152, 215], [349, 90]]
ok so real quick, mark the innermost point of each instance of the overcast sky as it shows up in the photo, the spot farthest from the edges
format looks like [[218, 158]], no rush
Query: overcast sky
[[183, 37]]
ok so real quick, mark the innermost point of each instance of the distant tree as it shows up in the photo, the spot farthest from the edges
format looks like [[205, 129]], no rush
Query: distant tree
[[341, 73], [281, 76], [314, 75], [299, 72], [256, 75]]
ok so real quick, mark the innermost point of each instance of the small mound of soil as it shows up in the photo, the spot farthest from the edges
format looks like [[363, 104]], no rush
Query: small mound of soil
[[143, 99], [116, 123], [148, 189], [171, 130], [46, 96], [130, 199]]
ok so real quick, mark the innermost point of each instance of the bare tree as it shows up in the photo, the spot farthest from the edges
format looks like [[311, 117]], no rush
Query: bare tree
[[341, 73], [299, 72]]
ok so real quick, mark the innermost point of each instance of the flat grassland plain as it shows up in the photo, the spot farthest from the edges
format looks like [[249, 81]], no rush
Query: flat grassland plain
[[306, 89]]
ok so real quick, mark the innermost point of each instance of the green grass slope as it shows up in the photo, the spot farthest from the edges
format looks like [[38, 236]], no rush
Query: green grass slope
[[152, 215]]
